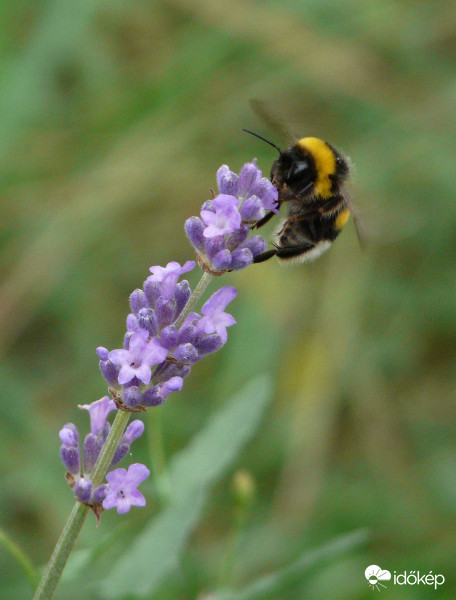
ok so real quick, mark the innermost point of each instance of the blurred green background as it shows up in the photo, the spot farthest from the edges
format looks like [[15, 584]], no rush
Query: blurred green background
[[114, 117]]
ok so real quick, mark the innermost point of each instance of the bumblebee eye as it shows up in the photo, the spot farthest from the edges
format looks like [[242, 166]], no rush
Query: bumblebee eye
[[299, 170], [300, 176]]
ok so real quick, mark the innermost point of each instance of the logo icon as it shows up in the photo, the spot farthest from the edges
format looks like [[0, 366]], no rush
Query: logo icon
[[375, 575]]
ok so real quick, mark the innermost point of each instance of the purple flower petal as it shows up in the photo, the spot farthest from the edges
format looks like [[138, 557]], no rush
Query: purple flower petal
[[140, 356], [169, 275], [226, 218], [227, 181], [219, 300], [215, 320], [99, 411], [173, 267], [122, 492]]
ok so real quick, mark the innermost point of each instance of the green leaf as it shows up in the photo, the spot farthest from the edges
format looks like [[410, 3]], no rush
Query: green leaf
[[273, 584], [26, 79], [20, 557], [156, 551]]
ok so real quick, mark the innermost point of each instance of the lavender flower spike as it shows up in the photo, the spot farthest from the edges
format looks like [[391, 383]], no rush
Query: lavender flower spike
[[122, 492], [219, 237]]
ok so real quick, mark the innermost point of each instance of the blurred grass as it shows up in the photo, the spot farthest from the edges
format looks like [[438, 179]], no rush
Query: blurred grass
[[114, 118]]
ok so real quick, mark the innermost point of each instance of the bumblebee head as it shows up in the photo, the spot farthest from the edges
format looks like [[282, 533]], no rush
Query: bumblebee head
[[309, 168], [297, 170]]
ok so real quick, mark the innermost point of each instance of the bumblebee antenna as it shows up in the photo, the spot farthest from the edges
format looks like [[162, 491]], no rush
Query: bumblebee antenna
[[264, 139]]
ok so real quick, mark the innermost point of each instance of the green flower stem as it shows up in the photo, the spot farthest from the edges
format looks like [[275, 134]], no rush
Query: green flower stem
[[196, 295], [56, 564], [68, 537]]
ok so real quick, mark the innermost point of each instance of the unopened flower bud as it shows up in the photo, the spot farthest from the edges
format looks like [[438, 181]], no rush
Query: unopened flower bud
[[138, 301], [147, 319], [69, 435], [121, 451], [252, 210], [165, 311], [222, 260], [194, 228], [69, 451], [243, 488], [83, 490], [108, 370], [70, 458], [234, 239], [159, 393], [169, 337], [100, 493], [227, 181], [152, 291], [255, 244], [134, 430], [132, 323], [241, 258], [209, 344], [182, 295], [92, 448], [185, 353], [132, 396]]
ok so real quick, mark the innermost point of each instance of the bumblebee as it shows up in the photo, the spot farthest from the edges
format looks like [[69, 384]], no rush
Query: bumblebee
[[310, 176]]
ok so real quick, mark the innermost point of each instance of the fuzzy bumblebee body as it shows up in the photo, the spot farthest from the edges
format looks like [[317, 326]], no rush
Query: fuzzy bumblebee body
[[309, 176]]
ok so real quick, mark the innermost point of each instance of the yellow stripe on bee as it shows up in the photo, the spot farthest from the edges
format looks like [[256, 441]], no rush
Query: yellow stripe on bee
[[325, 163], [341, 218]]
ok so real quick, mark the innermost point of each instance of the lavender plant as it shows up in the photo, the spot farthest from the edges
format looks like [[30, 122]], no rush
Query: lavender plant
[[164, 338]]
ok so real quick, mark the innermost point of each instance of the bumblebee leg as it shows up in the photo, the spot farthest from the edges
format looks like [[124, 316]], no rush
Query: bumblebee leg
[[264, 256], [286, 252], [263, 221]]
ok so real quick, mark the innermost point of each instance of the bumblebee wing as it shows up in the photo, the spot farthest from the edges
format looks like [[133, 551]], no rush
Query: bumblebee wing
[[358, 222], [273, 121]]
